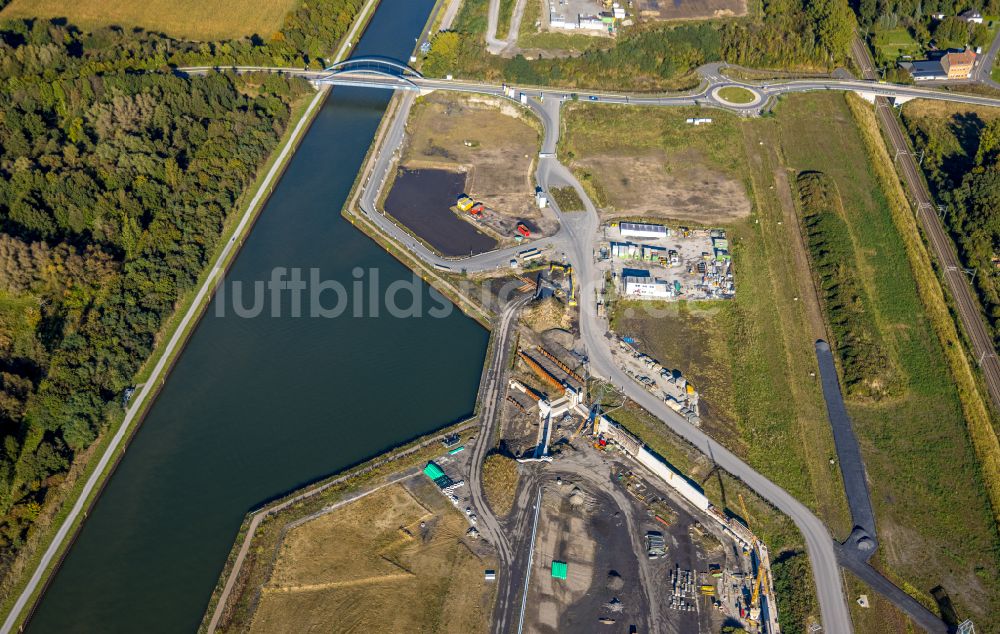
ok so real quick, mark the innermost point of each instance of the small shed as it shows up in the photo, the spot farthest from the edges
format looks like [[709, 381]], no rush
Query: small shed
[[559, 569]]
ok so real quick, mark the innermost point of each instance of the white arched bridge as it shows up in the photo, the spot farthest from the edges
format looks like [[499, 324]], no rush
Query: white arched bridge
[[390, 74], [385, 73]]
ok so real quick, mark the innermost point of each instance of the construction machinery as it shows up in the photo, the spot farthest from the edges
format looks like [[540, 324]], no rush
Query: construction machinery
[[753, 615], [465, 203], [586, 422]]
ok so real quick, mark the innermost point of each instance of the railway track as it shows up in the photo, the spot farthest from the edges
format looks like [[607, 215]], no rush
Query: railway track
[[959, 285]]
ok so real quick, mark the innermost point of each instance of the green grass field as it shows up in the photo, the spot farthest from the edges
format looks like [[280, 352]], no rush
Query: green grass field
[[503, 19], [193, 19], [894, 43], [917, 450], [733, 94], [763, 398]]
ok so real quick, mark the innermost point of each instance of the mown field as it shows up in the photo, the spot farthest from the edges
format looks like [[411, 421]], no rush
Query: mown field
[[399, 563], [892, 43], [916, 447], [190, 19], [636, 162], [914, 439]]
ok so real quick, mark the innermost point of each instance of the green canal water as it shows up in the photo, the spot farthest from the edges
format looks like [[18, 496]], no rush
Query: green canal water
[[256, 407]]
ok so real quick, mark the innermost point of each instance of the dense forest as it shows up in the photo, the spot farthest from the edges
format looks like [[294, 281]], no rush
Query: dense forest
[[786, 34], [116, 177], [918, 21], [961, 157]]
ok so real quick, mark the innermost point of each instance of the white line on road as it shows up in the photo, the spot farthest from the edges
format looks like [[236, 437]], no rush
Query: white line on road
[[531, 556]]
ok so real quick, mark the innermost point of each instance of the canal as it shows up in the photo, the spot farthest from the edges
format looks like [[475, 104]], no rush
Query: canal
[[257, 406]]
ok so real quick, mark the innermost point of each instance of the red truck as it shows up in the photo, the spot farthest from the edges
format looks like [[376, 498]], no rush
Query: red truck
[[523, 230]]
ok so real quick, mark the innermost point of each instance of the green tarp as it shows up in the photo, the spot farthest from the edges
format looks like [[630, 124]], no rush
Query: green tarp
[[559, 569], [433, 471]]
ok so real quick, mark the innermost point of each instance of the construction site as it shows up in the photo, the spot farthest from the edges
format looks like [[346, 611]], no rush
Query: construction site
[[463, 181], [646, 261], [661, 542]]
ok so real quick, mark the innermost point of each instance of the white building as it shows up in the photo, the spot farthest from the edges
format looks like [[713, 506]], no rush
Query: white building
[[591, 23], [646, 287], [971, 16], [640, 230]]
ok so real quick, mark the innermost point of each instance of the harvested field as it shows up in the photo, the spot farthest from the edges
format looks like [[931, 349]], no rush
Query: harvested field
[[392, 561], [648, 162], [657, 185], [193, 19], [493, 141], [690, 9]]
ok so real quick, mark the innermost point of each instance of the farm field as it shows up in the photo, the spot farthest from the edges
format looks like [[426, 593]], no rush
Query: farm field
[[391, 561], [766, 403], [190, 19]]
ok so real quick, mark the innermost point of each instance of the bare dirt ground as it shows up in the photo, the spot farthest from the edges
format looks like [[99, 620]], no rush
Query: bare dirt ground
[[689, 9], [396, 560], [580, 527], [654, 184], [493, 142]]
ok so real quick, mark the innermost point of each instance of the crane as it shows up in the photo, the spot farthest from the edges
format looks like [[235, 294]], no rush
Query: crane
[[754, 615], [595, 411]]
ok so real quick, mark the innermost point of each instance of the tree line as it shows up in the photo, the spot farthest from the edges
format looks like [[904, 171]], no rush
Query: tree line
[[917, 18], [651, 56], [962, 164], [116, 178]]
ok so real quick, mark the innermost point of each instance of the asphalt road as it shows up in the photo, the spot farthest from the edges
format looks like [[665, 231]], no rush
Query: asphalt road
[[577, 232], [575, 239], [491, 397], [826, 572], [707, 93]]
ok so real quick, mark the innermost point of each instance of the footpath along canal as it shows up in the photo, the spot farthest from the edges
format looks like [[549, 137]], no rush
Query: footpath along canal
[[256, 407]]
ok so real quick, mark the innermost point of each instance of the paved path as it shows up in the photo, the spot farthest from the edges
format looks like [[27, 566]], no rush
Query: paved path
[[863, 540], [158, 374], [575, 239], [924, 618], [160, 370], [258, 517]]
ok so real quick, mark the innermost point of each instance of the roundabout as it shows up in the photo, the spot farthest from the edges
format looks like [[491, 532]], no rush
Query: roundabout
[[737, 96]]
